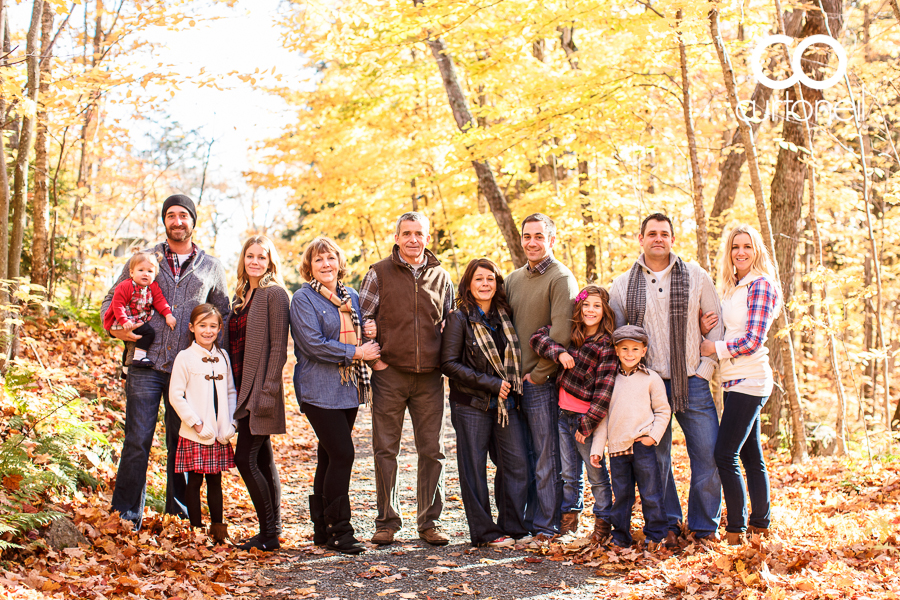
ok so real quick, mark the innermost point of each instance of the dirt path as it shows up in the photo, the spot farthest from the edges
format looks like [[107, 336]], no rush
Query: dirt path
[[411, 568]]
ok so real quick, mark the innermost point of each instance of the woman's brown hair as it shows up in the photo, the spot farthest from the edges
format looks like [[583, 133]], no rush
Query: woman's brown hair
[[464, 298], [607, 322], [201, 312]]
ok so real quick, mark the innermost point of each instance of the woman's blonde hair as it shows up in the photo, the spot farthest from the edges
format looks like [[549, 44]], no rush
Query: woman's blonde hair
[[272, 275], [762, 261], [318, 246]]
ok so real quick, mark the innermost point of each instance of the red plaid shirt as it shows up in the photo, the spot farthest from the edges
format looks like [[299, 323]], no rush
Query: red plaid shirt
[[762, 297], [237, 337], [593, 377], [172, 259]]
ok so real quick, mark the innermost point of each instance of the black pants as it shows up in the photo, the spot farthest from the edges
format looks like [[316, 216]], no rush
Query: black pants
[[256, 464], [213, 497], [334, 428], [147, 336]]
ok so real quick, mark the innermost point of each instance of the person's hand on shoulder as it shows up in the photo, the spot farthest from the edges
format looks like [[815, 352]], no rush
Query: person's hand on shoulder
[[566, 360]]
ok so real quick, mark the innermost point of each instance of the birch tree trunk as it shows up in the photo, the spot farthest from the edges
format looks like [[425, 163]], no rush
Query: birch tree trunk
[[40, 264], [789, 377], [696, 177], [487, 184], [26, 141]]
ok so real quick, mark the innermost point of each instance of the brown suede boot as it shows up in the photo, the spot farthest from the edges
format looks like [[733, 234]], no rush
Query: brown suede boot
[[570, 522], [601, 530], [760, 531], [734, 538], [218, 532]]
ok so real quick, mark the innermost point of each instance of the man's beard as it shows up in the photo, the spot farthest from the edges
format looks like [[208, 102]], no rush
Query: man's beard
[[179, 235]]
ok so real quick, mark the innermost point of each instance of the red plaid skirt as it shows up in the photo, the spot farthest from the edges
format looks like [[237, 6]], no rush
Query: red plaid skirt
[[193, 457]]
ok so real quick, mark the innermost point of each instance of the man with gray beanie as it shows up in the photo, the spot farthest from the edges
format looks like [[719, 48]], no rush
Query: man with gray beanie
[[187, 278]]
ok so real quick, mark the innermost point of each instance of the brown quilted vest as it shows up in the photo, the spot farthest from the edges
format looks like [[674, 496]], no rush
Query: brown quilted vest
[[410, 312]]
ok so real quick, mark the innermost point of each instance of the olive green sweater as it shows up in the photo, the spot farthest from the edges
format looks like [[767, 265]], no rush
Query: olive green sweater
[[538, 300]]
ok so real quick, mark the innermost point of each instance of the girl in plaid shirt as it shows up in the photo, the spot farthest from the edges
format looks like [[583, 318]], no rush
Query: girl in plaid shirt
[[585, 389], [202, 392], [751, 299]]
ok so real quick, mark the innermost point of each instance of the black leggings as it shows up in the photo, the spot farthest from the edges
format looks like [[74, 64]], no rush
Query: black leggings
[[256, 463], [334, 428], [213, 497]]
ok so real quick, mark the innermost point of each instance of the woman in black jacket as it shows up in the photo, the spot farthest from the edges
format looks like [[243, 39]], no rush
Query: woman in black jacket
[[480, 353]]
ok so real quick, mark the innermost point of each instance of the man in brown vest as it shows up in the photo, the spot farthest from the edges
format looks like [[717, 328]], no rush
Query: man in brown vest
[[409, 296]]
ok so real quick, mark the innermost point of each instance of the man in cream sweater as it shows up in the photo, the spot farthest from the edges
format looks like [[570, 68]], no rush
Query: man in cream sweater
[[665, 295], [541, 293]]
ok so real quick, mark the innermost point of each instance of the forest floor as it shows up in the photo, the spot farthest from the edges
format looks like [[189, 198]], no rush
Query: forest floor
[[836, 525]]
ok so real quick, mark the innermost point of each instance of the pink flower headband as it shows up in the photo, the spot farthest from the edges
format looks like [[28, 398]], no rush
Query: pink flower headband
[[581, 296]]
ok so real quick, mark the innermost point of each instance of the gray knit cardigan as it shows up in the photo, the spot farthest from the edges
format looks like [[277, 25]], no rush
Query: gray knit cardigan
[[203, 281]]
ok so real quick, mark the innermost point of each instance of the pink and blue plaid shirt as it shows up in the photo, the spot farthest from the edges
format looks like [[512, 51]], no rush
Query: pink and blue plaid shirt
[[762, 297]]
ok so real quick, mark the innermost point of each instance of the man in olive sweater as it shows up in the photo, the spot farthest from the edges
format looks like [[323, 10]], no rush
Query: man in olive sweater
[[188, 277], [541, 293]]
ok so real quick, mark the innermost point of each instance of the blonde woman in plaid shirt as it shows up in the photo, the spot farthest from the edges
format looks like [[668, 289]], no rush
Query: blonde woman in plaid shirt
[[751, 299]]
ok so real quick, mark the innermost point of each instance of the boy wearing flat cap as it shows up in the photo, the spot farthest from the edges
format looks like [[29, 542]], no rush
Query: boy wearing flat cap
[[638, 416]]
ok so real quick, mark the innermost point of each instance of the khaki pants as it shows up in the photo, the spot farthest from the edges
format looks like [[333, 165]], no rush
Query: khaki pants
[[394, 391]]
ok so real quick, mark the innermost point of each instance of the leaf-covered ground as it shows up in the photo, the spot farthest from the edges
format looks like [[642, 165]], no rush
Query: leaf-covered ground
[[835, 523]]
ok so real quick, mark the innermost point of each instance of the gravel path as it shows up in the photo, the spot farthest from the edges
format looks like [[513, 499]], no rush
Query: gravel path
[[411, 568]]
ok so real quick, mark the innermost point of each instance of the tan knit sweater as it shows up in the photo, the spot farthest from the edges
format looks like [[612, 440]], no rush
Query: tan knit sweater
[[639, 407], [702, 295], [538, 300]]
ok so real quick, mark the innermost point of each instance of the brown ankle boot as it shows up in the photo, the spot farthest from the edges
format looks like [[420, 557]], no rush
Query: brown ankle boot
[[760, 531], [218, 532], [734, 539], [569, 523], [601, 530]]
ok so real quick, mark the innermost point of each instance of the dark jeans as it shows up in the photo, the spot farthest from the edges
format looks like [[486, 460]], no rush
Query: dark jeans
[[739, 438], [700, 424], [255, 461], [540, 412], [576, 460], [143, 389], [213, 497], [477, 434], [334, 429], [642, 469]]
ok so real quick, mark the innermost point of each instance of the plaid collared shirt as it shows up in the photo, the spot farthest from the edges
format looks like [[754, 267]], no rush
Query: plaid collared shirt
[[541, 266], [172, 259], [762, 298], [593, 377]]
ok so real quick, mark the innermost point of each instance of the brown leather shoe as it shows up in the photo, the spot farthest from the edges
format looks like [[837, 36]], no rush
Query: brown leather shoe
[[435, 536], [601, 530], [383, 536], [760, 531], [570, 522], [735, 538], [706, 540]]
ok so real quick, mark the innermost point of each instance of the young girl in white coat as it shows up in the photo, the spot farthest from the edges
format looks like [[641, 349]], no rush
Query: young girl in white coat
[[202, 392]]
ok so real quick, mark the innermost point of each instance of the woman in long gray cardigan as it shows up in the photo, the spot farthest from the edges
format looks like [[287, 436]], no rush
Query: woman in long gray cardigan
[[257, 347], [331, 381]]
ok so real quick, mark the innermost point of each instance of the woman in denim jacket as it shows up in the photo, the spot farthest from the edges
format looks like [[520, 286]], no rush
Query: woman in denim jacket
[[331, 381]]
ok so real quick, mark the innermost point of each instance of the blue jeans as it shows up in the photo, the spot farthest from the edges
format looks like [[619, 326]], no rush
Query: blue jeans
[[143, 389], [576, 459], [540, 410], [700, 424], [477, 434], [740, 438], [640, 468]]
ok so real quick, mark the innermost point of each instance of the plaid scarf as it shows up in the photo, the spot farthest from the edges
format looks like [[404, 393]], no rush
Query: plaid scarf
[[356, 372], [510, 368], [636, 305]]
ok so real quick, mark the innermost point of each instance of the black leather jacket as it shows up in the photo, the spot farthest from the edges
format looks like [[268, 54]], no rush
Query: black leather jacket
[[462, 361]]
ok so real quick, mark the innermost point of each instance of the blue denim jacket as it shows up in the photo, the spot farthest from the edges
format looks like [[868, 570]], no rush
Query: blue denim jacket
[[315, 328]]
